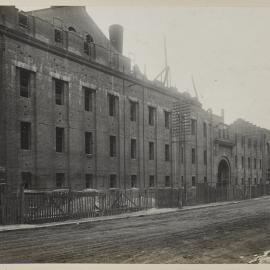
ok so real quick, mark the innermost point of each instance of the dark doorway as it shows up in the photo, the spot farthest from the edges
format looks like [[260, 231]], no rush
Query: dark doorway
[[223, 174]]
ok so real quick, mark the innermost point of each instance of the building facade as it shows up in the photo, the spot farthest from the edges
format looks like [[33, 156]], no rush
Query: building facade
[[73, 113]]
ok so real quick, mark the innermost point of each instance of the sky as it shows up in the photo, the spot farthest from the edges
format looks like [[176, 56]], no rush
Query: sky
[[225, 49]]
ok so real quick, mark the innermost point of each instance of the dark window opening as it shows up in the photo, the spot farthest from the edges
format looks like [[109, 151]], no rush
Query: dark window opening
[[58, 36], [204, 130], [167, 119], [260, 163], [133, 149], [193, 126], [113, 183], [88, 99], [113, 146], [167, 152], [167, 181], [193, 156], [71, 29], [23, 20], [255, 181], [89, 46], [133, 181], [60, 180], [59, 91], [193, 181], [205, 157], [89, 181], [182, 181], [205, 180], [249, 163], [243, 141], [24, 83], [25, 135], [151, 118], [235, 161], [59, 139], [88, 143], [112, 105], [133, 111], [26, 179], [151, 151], [151, 180], [255, 163], [243, 162], [182, 154]]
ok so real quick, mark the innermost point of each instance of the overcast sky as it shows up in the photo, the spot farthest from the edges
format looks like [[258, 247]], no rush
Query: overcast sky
[[226, 49]]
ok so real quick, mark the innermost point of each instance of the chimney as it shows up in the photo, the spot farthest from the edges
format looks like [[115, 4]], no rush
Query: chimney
[[116, 37]]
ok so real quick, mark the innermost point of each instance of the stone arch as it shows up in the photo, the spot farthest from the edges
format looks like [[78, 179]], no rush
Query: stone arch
[[224, 172]]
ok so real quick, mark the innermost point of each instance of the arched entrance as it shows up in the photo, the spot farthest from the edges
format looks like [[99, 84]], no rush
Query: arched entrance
[[223, 173]]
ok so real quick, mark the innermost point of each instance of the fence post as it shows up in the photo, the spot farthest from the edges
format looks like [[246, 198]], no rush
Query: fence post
[[21, 197]]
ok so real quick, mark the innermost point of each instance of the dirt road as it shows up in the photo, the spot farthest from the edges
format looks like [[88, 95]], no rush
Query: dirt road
[[233, 233]]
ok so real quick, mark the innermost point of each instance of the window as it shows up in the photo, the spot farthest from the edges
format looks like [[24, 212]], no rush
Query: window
[[167, 119], [151, 180], [59, 92], [89, 181], [249, 165], [112, 105], [205, 180], [249, 181], [58, 36], [243, 141], [235, 161], [71, 29], [113, 146], [59, 139], [193, 155], [133, 111], [255, 144], [243, 162], [24, 83], [88, 45], [182, 180], [151, 118], [133, 150], [204, 130], [255, 163], [249, 143], [133, 183], [193, 126], [236, 180], [88, 99], [260, 163], [60, 180], [255, 181], [88, 143], [219, 133], [267, 148], [151, 151], [23, 20], [193, 181], [25, 135], [167, 152], [26, 179], [167, 181], [205, 157], [113, 183]]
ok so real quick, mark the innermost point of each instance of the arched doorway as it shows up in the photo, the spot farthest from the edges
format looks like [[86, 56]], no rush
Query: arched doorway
[[223, 173]]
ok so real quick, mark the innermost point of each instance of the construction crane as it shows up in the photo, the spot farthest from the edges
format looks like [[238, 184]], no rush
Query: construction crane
[[164, 76]]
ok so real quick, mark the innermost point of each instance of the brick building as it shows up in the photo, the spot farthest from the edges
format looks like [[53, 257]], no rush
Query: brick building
[[73, 113]]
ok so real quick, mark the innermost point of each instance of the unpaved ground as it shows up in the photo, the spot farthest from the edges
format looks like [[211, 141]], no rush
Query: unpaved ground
[[235, 233]]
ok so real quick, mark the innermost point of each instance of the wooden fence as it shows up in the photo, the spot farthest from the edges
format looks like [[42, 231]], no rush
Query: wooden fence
[[59, 205]]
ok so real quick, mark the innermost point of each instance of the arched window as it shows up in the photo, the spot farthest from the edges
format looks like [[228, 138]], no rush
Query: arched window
[[71, 29]]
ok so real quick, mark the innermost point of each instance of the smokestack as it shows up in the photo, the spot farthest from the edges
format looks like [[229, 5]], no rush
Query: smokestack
[[116, 37]]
